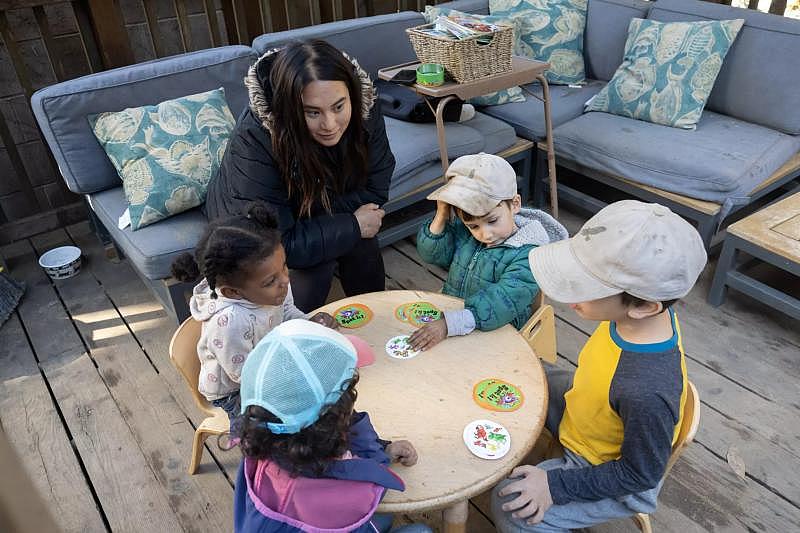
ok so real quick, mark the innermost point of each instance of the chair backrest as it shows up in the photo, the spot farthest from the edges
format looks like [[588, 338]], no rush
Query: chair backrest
[[691, 421], [540, 330], [183, 354]]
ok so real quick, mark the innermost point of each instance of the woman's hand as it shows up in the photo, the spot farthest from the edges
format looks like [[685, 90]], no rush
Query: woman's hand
[[402, 451], [429, 335], [369, 218], [325, 319]]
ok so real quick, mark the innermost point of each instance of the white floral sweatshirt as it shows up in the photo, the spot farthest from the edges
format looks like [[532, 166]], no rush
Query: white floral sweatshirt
[[231, 329]]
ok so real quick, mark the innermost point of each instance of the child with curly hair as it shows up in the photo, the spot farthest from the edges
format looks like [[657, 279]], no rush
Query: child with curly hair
[[311, 463], [244, 293]]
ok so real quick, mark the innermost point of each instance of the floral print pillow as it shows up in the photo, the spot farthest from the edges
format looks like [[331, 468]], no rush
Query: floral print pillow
[[668, 71], [550, 31], [504, 96], [167, 153]]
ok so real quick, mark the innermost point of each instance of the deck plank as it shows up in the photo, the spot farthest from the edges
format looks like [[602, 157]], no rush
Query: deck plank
[[130, 496], [31, 423], [152, 329], [163, 432]]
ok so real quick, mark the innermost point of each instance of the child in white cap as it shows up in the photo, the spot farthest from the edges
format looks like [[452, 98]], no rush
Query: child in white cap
[[311, 463], [485, 248], [619, 415]]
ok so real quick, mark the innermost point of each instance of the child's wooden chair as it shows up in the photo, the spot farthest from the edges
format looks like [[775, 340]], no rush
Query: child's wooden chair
[[540, 330], [691, 421], [183, 354]]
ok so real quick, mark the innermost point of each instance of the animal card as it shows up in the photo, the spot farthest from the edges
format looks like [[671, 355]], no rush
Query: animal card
[[353, 315], [486, 439], [399, 348], [497, 395], [418, 313]]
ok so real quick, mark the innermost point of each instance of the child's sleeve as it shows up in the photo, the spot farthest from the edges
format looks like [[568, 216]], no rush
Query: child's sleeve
[[649, 423], [230, 340], [364, 440], [290, 310], [436, 249], [511, 296]]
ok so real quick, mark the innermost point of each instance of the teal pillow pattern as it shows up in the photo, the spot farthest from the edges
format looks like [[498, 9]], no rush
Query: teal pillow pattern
[[668, 71], [504, 96], [167, 153], [550, 31]]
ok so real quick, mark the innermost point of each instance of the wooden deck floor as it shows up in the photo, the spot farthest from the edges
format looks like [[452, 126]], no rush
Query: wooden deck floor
[[104, 425]]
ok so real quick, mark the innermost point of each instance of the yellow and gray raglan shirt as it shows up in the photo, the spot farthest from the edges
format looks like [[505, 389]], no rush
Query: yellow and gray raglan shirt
[[622, 415]]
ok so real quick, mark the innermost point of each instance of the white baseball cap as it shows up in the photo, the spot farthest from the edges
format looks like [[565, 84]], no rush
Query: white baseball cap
[[643, 249], [477, 183]]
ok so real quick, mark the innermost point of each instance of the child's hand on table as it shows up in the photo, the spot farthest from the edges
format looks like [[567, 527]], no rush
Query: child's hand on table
[[534, 494], [402, 451], [429, 335], [325, 319]]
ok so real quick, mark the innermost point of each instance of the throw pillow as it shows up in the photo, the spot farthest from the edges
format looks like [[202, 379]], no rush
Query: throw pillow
[[550, 31], [167, 153], [668, 71], [504, 96]]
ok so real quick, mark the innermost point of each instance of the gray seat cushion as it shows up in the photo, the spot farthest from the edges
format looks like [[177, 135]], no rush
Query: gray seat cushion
[[759, 79], [527, 117], [415, 146], [606, 32], [376, 42], [61, 109], [478, 7], [152, 248], [722, 161]]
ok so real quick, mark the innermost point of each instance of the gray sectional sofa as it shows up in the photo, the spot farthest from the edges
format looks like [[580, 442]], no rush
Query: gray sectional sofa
[[61, 112], [749, 130]]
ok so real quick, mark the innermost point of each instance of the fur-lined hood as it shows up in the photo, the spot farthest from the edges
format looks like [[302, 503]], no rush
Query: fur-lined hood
[[261, 98]]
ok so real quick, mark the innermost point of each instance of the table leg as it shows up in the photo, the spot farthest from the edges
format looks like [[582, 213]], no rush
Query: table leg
[[455, 517], [440, 131], [551, 154]]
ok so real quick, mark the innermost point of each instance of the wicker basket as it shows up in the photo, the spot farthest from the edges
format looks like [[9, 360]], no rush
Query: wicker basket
[[465, 59]]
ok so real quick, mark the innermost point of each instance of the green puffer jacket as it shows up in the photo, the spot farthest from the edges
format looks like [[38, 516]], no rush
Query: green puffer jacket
[[495, 283]]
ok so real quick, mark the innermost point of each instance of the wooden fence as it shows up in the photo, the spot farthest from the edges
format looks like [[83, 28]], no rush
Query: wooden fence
[[48, 41]]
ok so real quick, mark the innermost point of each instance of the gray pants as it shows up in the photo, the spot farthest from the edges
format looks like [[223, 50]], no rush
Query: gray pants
[[573, 515]]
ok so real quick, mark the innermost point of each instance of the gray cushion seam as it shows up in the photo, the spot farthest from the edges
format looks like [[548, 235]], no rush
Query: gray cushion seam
[[636, 163]]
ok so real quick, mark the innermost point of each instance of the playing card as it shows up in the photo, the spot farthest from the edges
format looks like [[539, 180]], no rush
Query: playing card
[[497, 395], [399, 348], [487, 439], [353, 315]]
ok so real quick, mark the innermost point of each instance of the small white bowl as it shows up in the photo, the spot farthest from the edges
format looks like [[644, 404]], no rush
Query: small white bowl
[[62, 262]]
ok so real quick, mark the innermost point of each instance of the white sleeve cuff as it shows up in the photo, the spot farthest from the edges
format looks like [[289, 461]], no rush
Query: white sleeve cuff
[[460, 322]]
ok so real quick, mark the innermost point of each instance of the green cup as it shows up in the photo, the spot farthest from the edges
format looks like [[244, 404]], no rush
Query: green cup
[[431, 74]]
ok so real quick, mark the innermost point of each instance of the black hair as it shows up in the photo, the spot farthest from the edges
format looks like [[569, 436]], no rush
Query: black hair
[[230, 246], [310, 450], [310, 170], [630, 299], [468, 217]]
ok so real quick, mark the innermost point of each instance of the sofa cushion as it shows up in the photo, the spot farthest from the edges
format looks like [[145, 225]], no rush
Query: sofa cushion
[[376, 42], [61, 109], [760, 77], [166, 154], [668, 70], [606, 31], [527, 117], [153, 248], [549, 31], [416, 147], [721, 161], [478, 7]]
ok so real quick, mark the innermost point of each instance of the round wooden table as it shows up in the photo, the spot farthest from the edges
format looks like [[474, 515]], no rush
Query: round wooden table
[[428, 401]]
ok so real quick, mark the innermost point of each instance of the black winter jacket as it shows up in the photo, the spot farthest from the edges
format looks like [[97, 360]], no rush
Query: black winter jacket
[[249, 172]]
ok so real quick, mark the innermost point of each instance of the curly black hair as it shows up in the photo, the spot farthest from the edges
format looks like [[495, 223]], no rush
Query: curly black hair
[[308, 451], [230, 246]]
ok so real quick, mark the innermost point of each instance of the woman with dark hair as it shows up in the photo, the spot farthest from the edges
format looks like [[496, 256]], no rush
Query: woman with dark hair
[[312, 145]]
